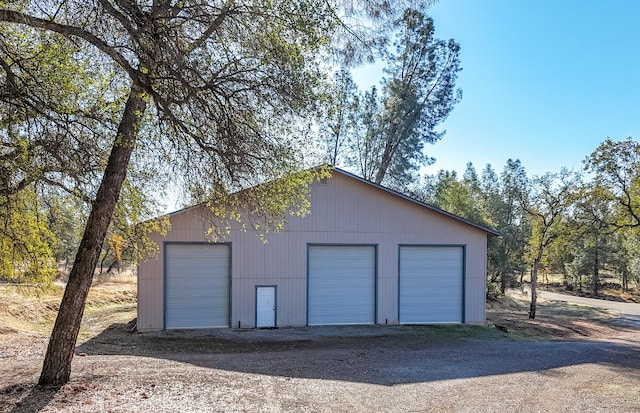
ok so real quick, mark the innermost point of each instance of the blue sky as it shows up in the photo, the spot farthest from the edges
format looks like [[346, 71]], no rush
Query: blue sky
[[543, 81]]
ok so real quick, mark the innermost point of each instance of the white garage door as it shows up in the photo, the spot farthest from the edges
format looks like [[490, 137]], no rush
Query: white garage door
[[431, 284], [196, 285], [341, 285]]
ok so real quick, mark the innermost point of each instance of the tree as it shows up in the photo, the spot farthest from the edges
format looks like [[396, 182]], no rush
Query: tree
[[591, 234], [212, 88], [624, 257], [545, 205], [616, 166], [610, 205], [418, 95], [501, 195], [339, 119], [460, 197], [367, 142], [490, 201], [64, 215], [25, 240]]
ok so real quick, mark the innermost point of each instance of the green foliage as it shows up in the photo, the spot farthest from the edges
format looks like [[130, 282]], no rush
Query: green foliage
[[616, 166], [493, 290], [339, 116], [385, 133], [25, 240], [604, 217], [625, 253], [462, 198], [65, 219], [418, 94], [366, 146], [555, 222], [547, 206], [55, 106], [506, 254]]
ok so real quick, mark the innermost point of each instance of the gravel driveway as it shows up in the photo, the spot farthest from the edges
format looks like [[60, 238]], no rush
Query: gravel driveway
[[339, 369]]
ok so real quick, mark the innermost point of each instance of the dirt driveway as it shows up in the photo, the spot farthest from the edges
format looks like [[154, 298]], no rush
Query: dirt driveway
[[333, 369]]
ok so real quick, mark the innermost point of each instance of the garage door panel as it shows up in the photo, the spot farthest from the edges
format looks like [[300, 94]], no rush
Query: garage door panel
[[341, 285], [431, 284], [196, 285]]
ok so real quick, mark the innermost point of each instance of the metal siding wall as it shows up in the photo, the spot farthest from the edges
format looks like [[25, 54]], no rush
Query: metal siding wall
[[150, 290], [387, 282], [281, 262], [476, 281]]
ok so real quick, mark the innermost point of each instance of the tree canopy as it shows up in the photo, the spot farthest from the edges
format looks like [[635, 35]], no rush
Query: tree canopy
[[616, 166], [381, 135]]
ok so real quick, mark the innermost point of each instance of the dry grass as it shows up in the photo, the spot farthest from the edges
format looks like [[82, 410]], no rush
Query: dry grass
[[24, 311], [610, 290], [111, 300], [554, 320]]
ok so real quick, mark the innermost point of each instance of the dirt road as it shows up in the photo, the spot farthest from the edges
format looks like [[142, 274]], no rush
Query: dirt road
[[355, 369], [629, 313]]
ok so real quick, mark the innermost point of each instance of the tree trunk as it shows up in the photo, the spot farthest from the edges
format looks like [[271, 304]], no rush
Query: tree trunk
[[104, 258], [56, 369], [114, 265], [580, 282], [389, 150], [596, 274], [534, 284], [385, 162]]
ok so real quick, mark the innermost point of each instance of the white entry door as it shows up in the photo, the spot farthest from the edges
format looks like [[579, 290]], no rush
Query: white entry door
[[266, 306]]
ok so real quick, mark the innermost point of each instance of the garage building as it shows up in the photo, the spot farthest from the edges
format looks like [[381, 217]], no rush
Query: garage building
[[364, 255]]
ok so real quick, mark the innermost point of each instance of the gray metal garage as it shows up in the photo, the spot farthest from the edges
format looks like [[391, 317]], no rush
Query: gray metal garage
[[196, 285], [342, 284], [364, 254], [431, 284]]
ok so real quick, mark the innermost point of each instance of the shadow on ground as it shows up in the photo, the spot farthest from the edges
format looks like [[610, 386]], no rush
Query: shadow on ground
[[384, 355], [27, 397]]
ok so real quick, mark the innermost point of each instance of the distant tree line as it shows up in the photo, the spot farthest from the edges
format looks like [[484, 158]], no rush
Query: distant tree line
[[575, 223]]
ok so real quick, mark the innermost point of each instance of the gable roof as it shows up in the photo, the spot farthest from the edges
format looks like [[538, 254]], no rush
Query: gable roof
[[430, 207], [489, 231]]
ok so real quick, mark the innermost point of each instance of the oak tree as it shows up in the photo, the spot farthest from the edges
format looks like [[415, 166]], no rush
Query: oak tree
[[545, 204], [616, 169]]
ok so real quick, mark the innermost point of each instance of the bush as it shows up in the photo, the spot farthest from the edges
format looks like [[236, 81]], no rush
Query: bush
[[493, 291]]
